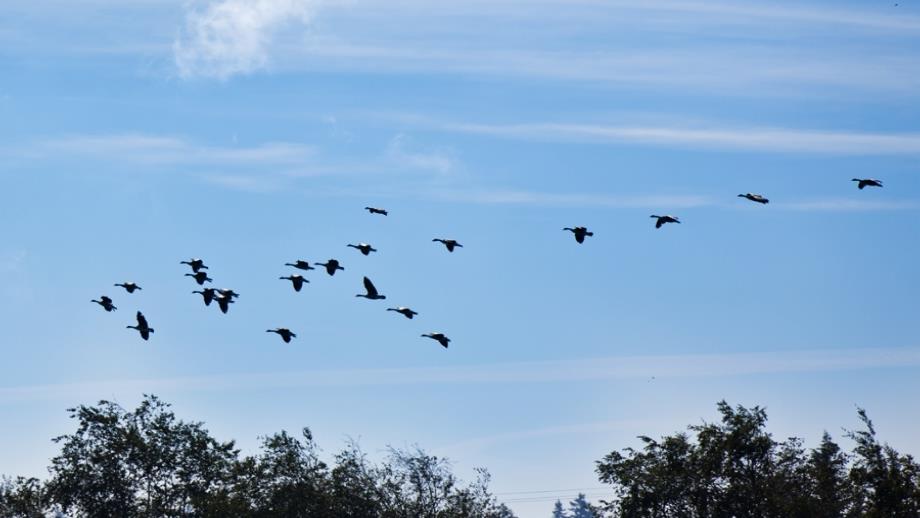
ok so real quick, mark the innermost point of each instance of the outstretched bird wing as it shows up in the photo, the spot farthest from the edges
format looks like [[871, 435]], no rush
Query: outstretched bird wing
[[141, 321], [371, 289]]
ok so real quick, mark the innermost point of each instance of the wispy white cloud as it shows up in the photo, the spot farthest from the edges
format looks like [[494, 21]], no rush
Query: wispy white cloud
[[399, 153], [545, 199], [596, 369], [773, 140], [228, 37]]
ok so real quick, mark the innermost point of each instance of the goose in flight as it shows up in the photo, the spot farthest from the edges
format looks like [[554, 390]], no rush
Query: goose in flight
[[142, 327], [580, 233], [130, 287], [375, 210], [227, 292], [196, 264], [404, 311], [285, 333], [208, 295], [449, 243], [300, 265], [296, 280], [200, 277], [331, 266], [755, 198], [372, 293], [664, 219], [105, 302], [364, 248], [223, 302], [439, 337], [867, 182]]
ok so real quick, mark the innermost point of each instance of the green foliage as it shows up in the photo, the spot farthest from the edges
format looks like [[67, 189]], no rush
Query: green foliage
[[735, 468], [147, 463]]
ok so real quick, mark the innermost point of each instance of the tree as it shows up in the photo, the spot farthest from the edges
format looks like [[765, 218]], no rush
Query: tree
[[148, 463], [558, 511], [580, 508], [736, 468]]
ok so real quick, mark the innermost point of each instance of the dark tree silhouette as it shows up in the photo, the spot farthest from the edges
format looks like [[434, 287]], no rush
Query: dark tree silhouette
[[735, 468], [148, 463]]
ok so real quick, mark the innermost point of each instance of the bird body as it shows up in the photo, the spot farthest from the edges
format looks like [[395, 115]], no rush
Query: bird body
[[223, 302], [196, 264], [200, 277], [285, 333], [438, 337], [130, 287], [404, 311], [142, 327], [375, 210], [208, 294], [755, 198], [449, 243], [296, 280], [105, 302], [580, 233], [372, 293], [331, 266], [867, 182], [664, 219], [364, 248], [300, 265]]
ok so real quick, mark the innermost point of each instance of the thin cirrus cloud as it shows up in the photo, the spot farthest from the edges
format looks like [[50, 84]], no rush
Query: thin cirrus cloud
[[597, 369], [770, 140], [229, 37]]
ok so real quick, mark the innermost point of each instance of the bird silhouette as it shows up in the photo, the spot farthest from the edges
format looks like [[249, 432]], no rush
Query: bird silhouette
[[364, 248], [285, 333], [755, 198], [300, 265], [296, 280], [372, 293], [449, 243], [227, 292], [196, 264], [580, 233], [331, 266], [142, 327], [439, 337], [105, 302], [208, 294], [867, 182], [130, 287], [223, 302], [375, 210], [663, 220], [200, 277], [404, 311]]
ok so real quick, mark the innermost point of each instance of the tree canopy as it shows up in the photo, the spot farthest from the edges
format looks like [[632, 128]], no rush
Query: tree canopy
[[735, 468], [148, 463]]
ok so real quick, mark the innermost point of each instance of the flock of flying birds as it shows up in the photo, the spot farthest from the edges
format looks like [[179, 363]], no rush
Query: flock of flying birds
[[224, 297]]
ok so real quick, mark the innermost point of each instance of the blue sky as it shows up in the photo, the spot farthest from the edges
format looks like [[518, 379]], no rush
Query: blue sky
[[251, 133]]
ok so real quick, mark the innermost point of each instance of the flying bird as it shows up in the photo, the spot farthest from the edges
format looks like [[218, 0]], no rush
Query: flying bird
[[142, 327], [285, 333], [449, 243], [404, 311], [364, 248], [375, 210], [223, 302], [227, 292], [331, 266], [300, 265], [130, 287], [867, 182], [105, 302], [372, 293], [580, 233], [664, 219], [755, 198], [296, 280], [196, 264], [200, 277], [208, 295], [439, 337]]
